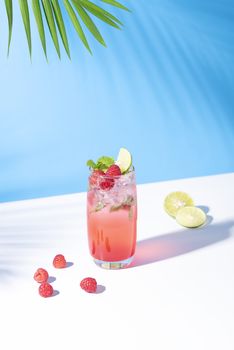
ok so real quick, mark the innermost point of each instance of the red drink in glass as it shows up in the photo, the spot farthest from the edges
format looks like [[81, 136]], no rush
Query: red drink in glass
[[112, 220]]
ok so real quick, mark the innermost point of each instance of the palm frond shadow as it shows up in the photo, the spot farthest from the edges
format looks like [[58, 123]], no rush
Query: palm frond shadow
[[174, 244], [17, 245], [24, 231]]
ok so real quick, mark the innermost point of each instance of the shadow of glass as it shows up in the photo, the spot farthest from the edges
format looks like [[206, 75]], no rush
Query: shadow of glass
[[181, 242]]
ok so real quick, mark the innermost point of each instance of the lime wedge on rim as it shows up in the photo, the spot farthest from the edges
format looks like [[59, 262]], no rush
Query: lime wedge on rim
[[190, 216], [124, 160], [176, 200]]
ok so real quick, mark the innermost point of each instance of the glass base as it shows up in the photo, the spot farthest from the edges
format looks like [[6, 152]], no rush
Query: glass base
[[113, 265]]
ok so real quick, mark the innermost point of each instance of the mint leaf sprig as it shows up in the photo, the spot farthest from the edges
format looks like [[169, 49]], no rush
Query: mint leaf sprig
[[90, 163], [127, 203], [103, 163]]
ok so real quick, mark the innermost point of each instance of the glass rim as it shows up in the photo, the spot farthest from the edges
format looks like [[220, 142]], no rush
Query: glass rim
[[131, 171]]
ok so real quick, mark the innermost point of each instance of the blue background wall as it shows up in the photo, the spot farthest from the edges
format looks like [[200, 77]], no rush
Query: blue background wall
[[164, 88]]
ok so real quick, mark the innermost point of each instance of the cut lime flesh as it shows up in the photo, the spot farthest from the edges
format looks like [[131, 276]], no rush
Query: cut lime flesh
[[176, 200], [124, 160], [190, 216]]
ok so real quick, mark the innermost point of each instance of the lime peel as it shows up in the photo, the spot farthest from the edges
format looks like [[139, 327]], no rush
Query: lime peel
[[175, 201], [190, 216], [124, 160]]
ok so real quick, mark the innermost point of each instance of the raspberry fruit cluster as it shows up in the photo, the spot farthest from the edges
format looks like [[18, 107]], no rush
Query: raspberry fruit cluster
[[46, 290]]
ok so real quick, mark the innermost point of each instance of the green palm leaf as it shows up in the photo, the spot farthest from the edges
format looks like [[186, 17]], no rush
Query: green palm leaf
[[38, 16], [51, 23], [60, 25], [52, 12], [116, 4], [88, 22], [97, 11], [9, 10], [25, 15], [76, 24]]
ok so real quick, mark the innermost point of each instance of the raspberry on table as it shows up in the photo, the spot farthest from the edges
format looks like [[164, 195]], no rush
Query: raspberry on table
[[46, 290], [59, 261], [41, 275], [89, 284]]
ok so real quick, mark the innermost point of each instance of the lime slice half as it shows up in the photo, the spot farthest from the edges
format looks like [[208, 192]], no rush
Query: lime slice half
[[124, 160], [176, 200], [190, 217]]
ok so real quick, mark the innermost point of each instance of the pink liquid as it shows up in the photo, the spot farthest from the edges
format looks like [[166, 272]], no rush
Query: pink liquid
[[111, 233]]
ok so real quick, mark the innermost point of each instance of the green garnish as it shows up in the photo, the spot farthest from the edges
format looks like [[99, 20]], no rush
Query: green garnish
[[116, 207], [130, 213], [103, 163], [124, 160], [125, 204], [90, 163], [99, 206]]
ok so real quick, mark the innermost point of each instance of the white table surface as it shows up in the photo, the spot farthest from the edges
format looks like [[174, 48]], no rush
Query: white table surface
[[178, 295]]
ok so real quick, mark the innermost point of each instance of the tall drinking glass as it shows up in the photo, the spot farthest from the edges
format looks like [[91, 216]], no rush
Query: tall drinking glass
[[112, 219]]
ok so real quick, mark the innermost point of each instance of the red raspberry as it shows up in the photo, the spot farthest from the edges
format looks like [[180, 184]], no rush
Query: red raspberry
[[107, 184], [89, 284], [41, 275], [94, 177], [46, 290], [113, 170], [59, 261]]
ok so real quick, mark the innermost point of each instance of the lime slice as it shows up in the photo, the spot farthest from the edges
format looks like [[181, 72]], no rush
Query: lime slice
[[190, 217], [124, 160], [176, 200]]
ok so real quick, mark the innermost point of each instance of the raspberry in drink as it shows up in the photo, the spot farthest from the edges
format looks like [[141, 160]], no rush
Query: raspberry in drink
[[112, 215]]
